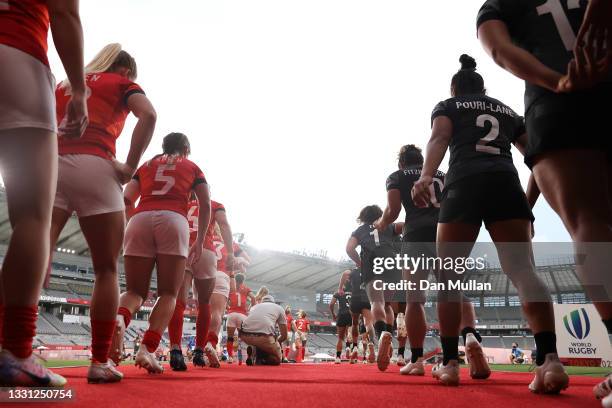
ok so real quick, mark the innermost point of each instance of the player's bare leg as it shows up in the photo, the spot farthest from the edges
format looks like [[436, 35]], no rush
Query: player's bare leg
[[513, 242], [584, 205], [28, 160], [203, 289], [454, 240], [104, 235], [175, 327], [341, 331], [218, 304]]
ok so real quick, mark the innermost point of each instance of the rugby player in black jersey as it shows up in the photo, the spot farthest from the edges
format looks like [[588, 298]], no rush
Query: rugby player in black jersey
[[567, 103], [374, 245], [343, 319], [482, 185], [419, 239], [359, 305]]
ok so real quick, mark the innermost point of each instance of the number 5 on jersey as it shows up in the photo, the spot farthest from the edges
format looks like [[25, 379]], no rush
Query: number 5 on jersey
[[168, 181]]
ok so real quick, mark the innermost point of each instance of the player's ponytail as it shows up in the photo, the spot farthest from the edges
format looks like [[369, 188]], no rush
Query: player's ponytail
[[176, 144], [110, 59], [467, 81]]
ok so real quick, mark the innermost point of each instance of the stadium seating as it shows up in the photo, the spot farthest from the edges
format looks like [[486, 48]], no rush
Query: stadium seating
[[64, 328]]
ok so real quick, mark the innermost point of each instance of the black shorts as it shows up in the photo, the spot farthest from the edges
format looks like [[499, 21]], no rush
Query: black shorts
[[487, 197], [358, 304], [569, 121], [344, 320], [368, 273]]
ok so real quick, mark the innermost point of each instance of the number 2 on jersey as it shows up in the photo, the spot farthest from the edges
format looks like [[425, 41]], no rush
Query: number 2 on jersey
[[161, 177], [482, 146], [555, 9]]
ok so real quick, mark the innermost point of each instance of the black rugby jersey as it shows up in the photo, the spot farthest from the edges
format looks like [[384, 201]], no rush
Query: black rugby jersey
[[416, 217], [545, 28], [343, 302], [483, 130]]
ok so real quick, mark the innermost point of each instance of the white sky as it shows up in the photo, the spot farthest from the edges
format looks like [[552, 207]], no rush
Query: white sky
[[296, 109]]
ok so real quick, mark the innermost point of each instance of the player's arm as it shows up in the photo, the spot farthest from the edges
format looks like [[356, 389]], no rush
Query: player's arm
[[282, 328], [232, 284], [392, 211], [441, 134], [130, 195], [495, 39], [343, 279], [226, 234], [244, 254], [331, 307], [252, 298], [351, 250], [142, 108], [67, 32], [203, 195]]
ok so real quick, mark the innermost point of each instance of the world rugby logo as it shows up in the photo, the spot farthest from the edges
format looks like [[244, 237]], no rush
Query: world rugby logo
[[577, 324]]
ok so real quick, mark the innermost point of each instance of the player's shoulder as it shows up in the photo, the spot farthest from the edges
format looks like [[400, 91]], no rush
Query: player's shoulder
[[443, 108], [504, 10], [217, 206]]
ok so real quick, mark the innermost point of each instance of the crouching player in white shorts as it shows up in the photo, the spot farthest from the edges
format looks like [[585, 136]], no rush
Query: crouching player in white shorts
[[203, 275], [259, 328], [157, 235]]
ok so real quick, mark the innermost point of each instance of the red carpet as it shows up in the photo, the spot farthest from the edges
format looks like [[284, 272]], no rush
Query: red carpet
[[319, 385]]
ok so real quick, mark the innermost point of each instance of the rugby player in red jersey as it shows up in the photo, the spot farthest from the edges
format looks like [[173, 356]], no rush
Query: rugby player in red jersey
[[302, 324], [28, 160], [112, 95], [237, 307], [157, 236], [204, 277], [222, 286]]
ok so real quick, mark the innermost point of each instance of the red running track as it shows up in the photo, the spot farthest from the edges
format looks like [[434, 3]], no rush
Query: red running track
[[313, 385]]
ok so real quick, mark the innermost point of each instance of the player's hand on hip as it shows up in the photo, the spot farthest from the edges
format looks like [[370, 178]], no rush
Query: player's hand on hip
[[596, 28], [77, 117], [584, 71], [195, 252], [124, 171]]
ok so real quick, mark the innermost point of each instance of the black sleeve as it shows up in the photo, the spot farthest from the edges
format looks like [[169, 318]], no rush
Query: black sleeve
[[504, 10], [441, 109], [198, 181], [393, 181], [520, 129]]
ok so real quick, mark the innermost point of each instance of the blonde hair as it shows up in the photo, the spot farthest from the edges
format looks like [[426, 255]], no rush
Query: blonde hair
[[263, 291], [302, 314], [111, 57]]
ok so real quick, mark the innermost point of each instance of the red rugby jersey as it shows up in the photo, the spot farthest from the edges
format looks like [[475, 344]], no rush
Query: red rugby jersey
[[192, 217], [238, 300], [166, 183], [107, 106], [221, 252], [24, 25], [210, 232], [302, 325], [289, 320]]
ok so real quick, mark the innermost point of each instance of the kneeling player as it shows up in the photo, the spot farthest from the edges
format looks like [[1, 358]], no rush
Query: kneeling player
[[258, 330]]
